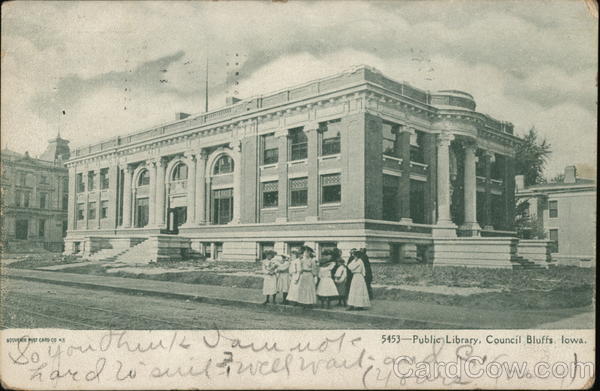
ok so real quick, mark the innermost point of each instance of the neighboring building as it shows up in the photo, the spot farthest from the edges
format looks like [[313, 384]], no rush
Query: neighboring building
[[352, 160], [34, 198], [564, 212]]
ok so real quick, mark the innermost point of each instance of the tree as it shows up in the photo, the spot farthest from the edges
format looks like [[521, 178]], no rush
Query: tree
[[531, 157]]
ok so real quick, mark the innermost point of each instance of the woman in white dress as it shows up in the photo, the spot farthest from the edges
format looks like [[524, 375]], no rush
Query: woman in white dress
[[269, 270], [283, 277], [294, 273], [358, 295], [326, 290], [307, 295]]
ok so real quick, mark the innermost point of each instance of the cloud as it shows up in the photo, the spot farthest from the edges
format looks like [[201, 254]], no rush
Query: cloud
[[527, 62]]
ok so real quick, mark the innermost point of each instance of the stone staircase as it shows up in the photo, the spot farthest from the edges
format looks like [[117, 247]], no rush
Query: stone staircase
[[520, 263], [143, 252], [107, 254]]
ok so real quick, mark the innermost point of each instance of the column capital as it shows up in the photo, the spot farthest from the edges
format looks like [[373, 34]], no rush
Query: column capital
[[129, 168], [470, 145], [160, 162], [150, 163], [283, 132], [491, 156], [202, 155], [407, 129], [310, 126], [236, 145], [190, 156], [444, 139]]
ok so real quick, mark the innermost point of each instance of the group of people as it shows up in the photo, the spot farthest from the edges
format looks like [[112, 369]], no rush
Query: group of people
[[305, 280]]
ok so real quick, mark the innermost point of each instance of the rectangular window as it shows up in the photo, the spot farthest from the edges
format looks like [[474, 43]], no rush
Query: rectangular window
[[391, 185], [553, 233], [23, 179], [43, 200], [269, 194], [80, 211], [42, 228], [553, 208], [331, 188], [298, 144], [104, 178], [325, 246], [104, 209], [206, 246], [222, 206], [91, 179], [26, 196], [270, 154], [80, 184], [43, 180], [65, 184], [417, 201], [65, 202], [330, 137], [141, 212], [91, 210], [416, 147], [264, 247], [218, 250], [298, 191], [390, 139], [18, 197]]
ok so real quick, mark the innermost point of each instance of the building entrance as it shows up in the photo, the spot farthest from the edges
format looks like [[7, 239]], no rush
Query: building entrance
[[21, 228], [176, 218]]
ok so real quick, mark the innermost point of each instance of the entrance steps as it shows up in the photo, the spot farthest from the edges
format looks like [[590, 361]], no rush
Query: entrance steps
[[143, 252], [520, 263], [107, 254]]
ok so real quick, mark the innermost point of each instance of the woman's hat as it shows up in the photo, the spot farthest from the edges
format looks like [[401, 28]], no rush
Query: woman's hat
[[307, 248]]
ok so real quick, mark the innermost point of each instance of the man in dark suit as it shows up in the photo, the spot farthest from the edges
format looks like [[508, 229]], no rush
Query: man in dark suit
[[368, 272]]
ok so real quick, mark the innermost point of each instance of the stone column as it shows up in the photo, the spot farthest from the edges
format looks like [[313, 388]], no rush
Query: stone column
[[509, 193], [444, 227], [404, 189], [159, 216], [72, 207], [201, 188], [487, 217], [99, 200], [127, 190], [312, 164], [470, 191], [151, 193], [191, 189], [237, 181], [282, 169]]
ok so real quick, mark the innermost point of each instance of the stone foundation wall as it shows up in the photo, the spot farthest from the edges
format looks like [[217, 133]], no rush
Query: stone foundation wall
[[475, 252]]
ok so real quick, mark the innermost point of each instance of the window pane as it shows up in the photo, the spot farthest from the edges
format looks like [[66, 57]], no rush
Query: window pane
[[270, 149], [180, 172], [144, 178], [331, 188], [224, 165], [330, 137], [270, 194], [389, 133], [298, 144], [91, 210]]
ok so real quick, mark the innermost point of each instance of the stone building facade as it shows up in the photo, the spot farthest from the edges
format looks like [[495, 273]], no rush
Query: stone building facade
[[563, 212], [353, 160], [34, 198]]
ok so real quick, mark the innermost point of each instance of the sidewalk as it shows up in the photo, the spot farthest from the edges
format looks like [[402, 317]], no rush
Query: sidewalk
[[396, 314]]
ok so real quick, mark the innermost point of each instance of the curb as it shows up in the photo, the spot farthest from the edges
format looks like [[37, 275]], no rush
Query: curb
[[382, 321]]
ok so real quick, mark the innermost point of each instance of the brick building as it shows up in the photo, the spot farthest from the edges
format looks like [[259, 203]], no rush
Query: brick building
[[352, 160], [34, 198]]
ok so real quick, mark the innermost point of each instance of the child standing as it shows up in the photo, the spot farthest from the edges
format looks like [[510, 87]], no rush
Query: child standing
[[294, 274], [283, 276], [326, 290], [269, 270]]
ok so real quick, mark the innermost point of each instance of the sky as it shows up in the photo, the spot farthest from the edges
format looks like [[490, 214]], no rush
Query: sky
[[94, 70]]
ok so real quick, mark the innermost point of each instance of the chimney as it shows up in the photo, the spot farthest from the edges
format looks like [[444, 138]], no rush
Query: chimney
[[231, 100], [570, 174], [520, 182], [179, 116]]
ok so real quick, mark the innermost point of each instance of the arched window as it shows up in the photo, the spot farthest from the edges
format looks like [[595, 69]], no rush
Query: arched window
[[179, 172], [224, 165], [144, 178]]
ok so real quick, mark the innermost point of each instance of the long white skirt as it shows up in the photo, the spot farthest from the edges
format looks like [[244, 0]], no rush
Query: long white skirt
[[358, 296], [269, 284], [306, 289], [326, 288], [293, 290], [283, 282]]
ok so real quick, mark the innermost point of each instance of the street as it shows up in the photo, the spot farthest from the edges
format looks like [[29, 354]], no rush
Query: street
[[29, 304]]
